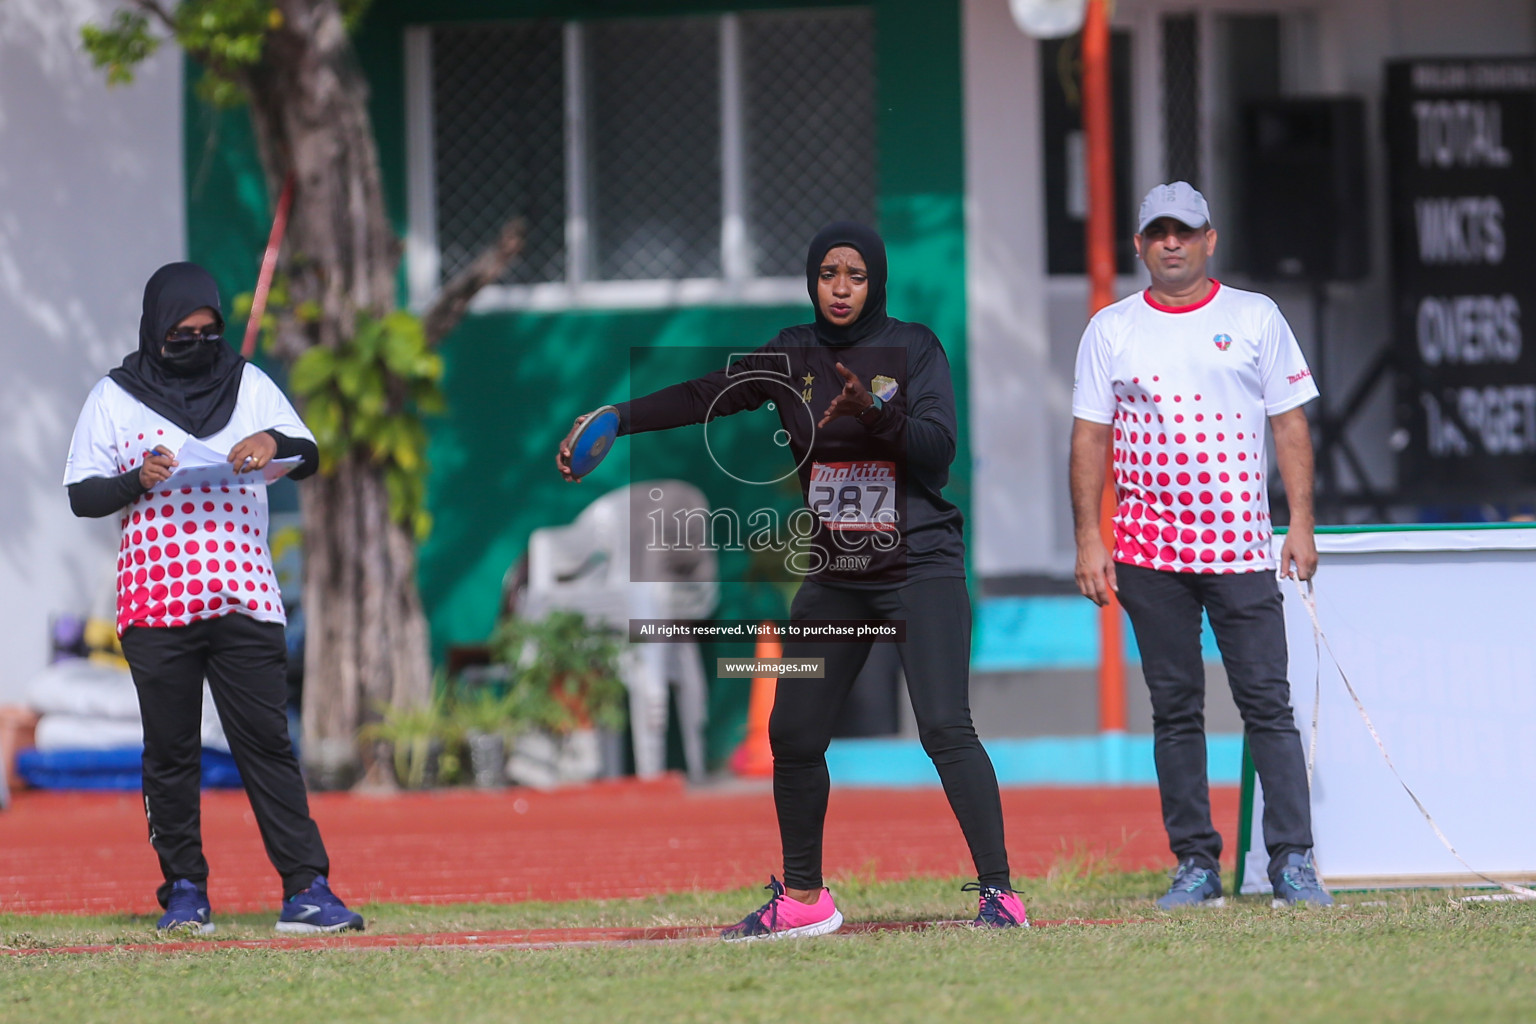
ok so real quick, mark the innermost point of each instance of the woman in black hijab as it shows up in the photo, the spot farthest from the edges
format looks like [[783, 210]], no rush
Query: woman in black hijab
[[196, 594], [887, 547]]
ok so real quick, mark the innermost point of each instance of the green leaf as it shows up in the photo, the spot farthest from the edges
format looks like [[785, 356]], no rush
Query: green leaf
[[432, 403], [368, 338], [219, 92], [350, 377], [380, 437], [324, 415], [402, 354], [395, 486], [406, 456], [313, 371], [405, 324], [120, 47]]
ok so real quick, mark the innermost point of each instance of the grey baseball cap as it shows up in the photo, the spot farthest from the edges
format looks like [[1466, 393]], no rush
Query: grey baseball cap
[[1178, 200]]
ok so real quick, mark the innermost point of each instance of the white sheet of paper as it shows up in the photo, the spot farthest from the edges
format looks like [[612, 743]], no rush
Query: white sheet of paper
[[202, 465]]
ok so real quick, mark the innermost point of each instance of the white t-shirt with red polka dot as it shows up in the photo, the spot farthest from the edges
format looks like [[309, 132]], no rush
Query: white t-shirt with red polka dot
[[187, 553], [1189, 391]]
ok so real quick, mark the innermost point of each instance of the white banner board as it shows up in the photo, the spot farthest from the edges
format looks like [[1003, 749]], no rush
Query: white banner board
[[1434, 628]]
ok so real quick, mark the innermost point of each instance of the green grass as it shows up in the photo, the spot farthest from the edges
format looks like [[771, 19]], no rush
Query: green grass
[[1405, 956]]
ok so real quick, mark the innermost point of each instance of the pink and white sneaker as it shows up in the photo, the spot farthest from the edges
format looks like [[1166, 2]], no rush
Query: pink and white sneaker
[[784, 917], [997, 908]]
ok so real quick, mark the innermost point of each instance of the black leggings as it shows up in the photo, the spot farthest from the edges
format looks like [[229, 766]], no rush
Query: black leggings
[[936, 657]]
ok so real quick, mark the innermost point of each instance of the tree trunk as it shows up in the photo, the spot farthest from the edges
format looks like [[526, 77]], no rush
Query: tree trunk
[[366, 637], [366, 641]]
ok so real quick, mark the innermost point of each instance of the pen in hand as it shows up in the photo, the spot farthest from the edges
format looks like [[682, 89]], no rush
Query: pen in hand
[[157, 466]]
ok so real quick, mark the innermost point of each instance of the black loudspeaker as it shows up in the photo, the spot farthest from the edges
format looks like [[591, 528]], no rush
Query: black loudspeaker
[[1305, 206]]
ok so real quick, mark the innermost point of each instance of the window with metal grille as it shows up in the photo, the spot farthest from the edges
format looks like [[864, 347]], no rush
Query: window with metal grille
[[651, 160], [1182, 144], [808, 97], [1214, 64], [499, 147]]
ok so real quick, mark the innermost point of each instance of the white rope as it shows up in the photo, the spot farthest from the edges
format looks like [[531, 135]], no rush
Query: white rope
[[1317, 681], [1320, 641]]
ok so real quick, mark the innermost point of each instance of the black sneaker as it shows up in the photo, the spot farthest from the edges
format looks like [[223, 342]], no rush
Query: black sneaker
[[1297, 883], [1193, 886], [997, 908]]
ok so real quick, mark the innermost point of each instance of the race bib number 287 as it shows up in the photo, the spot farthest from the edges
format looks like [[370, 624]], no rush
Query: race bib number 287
[[854, 495]]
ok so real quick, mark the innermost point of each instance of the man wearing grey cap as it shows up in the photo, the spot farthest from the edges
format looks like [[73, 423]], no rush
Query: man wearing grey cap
[[1177, 382]]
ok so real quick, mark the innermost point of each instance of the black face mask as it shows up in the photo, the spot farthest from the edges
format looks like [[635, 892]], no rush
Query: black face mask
[[189, 358], [192, 381]]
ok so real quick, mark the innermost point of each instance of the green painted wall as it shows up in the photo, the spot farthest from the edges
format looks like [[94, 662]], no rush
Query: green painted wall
[[515, 381]]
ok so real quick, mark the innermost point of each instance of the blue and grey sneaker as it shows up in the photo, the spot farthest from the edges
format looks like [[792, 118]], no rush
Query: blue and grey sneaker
[[187, 909], [317, 909], [1298, 884], [1193, 886]]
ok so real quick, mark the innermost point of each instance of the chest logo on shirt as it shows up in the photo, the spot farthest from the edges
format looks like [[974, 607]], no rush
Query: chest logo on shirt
[[1223, 341], [883, 387], [805, 392]]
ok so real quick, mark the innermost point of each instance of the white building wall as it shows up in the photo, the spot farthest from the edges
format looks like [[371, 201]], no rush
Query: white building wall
[[1024, 324], [1014, 397], [91, 202]]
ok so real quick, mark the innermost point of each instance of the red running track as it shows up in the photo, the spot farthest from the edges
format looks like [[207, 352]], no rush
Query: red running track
[[88, 853]]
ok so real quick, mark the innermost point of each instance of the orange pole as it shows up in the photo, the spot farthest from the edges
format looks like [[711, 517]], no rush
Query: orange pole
[[268, 268], [1098, 138], [754, 758]]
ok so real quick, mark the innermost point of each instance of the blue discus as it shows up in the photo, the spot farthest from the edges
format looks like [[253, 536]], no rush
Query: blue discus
[[593, 440]]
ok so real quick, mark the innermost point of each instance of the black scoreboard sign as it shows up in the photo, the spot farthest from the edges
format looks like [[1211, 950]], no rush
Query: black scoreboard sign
[[1461, 135]]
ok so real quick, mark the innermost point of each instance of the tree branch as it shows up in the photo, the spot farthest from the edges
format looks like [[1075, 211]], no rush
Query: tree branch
[[448, 308], [158, 11], [152, 7]]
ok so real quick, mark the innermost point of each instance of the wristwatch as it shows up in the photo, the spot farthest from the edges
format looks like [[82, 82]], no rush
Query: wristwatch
[[870, 416]]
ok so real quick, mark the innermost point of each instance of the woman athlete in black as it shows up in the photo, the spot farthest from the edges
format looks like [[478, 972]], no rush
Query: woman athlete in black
[[887, 546]]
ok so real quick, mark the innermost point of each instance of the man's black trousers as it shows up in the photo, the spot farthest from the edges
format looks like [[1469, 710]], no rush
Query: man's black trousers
[[1249, 622]]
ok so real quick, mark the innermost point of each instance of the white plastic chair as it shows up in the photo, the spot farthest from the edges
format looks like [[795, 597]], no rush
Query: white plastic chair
[[586, 567]]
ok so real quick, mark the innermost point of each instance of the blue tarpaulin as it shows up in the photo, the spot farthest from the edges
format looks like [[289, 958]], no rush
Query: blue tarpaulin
[[119, 768]]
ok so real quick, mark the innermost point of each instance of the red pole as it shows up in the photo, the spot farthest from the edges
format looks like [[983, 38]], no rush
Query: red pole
[[1098, 137], [268, 268]]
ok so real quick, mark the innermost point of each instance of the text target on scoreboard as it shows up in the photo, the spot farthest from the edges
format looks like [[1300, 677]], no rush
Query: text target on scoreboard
[[1461, 137]]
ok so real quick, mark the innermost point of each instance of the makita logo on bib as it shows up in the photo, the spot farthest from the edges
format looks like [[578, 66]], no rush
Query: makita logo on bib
[[852, 472]]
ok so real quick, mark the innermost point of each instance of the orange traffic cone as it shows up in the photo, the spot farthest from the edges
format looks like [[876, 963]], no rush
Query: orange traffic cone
[[754, 758]]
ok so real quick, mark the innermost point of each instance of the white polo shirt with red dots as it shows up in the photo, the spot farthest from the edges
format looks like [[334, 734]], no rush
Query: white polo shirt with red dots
[[186, 553], [1189, 391]]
